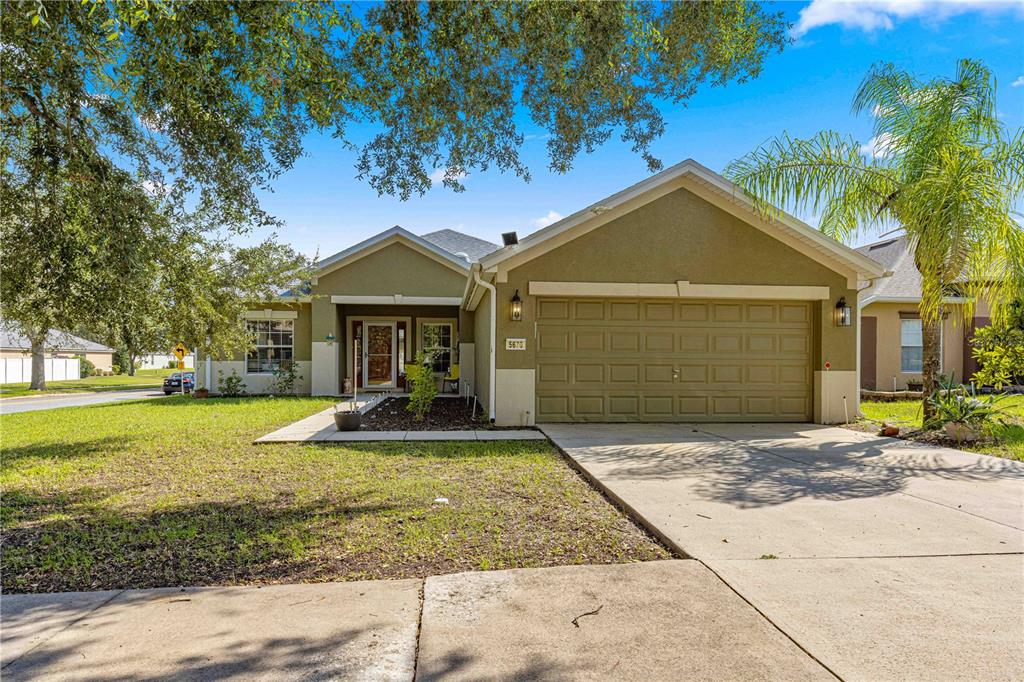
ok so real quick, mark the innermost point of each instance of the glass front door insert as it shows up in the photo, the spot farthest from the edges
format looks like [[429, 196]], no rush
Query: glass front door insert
[[379, 354]]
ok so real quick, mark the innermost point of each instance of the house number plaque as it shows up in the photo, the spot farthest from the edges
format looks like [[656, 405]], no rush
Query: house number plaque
[[515, 344]]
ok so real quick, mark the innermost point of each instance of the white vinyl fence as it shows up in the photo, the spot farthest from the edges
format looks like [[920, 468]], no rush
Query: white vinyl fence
[[160, 360], [19, 370]]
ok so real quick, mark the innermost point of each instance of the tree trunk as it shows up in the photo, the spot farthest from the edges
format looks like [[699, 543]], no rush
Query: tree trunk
[[131, 363], [38, 349], [931, 347]]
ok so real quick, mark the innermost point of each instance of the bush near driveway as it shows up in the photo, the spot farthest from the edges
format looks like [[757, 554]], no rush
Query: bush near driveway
[[1007, 439], [173, 492]]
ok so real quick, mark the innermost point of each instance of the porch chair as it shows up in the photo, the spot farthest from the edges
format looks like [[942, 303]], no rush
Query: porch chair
[[451, 378]]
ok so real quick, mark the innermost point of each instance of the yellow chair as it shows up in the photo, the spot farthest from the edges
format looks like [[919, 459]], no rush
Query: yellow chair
[[451, 378]]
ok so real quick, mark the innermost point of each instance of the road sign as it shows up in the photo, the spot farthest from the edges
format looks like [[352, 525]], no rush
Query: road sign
[[181, 364], [180, 351]]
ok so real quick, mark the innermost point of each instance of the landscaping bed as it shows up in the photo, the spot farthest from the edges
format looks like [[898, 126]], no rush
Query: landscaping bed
[[172, 492], [446, 414], [1000, 439]]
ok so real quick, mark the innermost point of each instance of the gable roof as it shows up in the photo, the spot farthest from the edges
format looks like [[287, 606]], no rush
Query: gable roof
[[457, 243], [396, 234], [56, 340], [904, 282], [708, 185]]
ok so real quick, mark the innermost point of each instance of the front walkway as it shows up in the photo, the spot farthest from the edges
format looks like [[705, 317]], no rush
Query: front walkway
[[571, 622], [883, 559], [320, 428]]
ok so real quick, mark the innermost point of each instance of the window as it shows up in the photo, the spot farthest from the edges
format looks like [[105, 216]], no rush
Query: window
[[273, 345], [912, 347], [437, 345]]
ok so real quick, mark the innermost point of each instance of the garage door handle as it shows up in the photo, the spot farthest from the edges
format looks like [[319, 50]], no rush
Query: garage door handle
[[675, 374]]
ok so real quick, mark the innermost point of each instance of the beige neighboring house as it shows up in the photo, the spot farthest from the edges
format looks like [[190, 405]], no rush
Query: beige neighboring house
[[673, 300], [890, 325], [58, 345]]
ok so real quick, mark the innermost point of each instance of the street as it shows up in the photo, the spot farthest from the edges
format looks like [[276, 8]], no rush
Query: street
[[52, 402]]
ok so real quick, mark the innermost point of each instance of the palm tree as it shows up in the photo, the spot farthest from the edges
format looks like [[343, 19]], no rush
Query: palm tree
[[944, 170]]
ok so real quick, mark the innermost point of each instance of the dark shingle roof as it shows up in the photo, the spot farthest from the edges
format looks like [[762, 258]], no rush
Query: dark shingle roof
[[905, 281], [458, 243], [56, 340]]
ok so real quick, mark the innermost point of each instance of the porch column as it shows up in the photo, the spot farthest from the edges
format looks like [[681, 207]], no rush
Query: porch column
[[326, 337]]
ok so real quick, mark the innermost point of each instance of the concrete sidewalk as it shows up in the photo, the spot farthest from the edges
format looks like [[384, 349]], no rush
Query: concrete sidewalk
[[564, 623], [884, 560]]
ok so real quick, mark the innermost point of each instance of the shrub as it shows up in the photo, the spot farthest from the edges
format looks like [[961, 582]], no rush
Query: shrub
[[231, 386], [1000, 352], [424, 388], [115, 369], [172, 364], [85, 367], [954, 403], [286, 379]]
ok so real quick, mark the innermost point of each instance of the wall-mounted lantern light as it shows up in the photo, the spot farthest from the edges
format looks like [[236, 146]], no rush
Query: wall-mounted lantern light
[[329, 338], [844, 313], [517, 307]]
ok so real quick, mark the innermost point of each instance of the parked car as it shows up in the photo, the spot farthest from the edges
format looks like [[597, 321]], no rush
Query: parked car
[[172, 384]]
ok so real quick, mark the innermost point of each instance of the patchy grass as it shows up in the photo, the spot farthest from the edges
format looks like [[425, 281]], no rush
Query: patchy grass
[[144, 378], [173, 492], [1006, 440]]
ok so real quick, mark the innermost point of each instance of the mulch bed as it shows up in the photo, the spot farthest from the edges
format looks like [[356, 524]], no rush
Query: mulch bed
[[917, 435], [446, 414]]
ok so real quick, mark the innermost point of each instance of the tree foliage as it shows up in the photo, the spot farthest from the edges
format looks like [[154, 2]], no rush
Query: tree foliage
[[945, 171]]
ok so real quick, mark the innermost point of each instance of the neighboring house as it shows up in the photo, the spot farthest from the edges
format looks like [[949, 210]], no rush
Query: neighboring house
[[672, 300], [58, 345], [890, 326], [163, 360]]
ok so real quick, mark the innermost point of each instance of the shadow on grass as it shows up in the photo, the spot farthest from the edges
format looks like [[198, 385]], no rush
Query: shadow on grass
[[65, 450], [205, 543]]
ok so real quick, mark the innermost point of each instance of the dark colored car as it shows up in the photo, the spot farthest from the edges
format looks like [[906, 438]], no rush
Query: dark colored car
[[172, 384]]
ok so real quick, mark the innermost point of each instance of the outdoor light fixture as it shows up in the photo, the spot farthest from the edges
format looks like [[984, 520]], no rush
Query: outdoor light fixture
[[329, 338], [844, 313], [517, 307]]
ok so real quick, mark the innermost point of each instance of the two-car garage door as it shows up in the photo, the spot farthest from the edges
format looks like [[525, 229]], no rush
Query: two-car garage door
[[608, 360]]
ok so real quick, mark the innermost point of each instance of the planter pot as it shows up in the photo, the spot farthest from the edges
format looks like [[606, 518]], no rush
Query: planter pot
[[890, 431], [961, 433], [202, 393], [347, 421]]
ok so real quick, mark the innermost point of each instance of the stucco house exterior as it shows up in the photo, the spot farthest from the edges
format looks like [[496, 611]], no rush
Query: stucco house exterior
[[59, 344], [672, 300], [890, 326]]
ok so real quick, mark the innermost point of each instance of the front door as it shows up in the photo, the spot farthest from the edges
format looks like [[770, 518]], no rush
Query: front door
[[379, 355]]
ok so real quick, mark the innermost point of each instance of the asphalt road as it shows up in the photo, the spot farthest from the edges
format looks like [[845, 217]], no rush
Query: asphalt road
[[52, 402]]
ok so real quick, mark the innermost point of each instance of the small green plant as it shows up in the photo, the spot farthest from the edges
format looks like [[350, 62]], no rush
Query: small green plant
[[768, 556], [231, 386], [958, 404], [115, 369], [172, 364], [286, 379], [85, 367], [424, 388]]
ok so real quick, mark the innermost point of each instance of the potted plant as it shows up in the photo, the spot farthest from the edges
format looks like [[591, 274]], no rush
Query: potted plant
[[962, 412], [347, 420], [202, 392]]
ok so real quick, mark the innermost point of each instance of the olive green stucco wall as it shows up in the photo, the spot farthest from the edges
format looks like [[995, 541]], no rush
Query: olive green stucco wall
[[677, 237], [394, 269]]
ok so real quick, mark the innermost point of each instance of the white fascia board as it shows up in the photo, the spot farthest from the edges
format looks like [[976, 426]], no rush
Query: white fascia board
[[398, 299], [910, 299]]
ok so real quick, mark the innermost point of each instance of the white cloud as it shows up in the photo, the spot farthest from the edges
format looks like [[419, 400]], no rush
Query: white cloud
[[882, 15], [545, 220], [1019, 83], [878, 147], [437, 177], [155, 188]]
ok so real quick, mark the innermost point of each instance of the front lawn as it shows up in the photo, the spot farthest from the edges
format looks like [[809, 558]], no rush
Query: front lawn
[[144, 378], [173, 492], [1008, 439]]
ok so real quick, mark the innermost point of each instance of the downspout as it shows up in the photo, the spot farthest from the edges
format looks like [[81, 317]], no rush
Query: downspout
[[494, 323]]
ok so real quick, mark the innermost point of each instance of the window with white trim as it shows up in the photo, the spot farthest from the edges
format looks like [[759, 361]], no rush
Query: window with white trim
[[912, 346], [272, 345], [437, 345]]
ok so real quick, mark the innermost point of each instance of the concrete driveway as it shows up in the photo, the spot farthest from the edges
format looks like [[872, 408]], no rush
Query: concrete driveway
[[53, 401], [882, 559]]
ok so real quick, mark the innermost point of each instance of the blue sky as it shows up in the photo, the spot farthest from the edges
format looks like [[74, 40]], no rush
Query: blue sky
[[805, 89]]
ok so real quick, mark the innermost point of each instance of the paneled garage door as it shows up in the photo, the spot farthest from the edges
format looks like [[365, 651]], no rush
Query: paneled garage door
[[684, 360]]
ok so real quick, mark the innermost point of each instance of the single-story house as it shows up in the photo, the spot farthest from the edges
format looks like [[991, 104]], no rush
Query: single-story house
[[59, 344], [672, 300], [890, 326]]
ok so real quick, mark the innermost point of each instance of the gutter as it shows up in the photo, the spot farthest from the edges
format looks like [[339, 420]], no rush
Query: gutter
[[494, 333]]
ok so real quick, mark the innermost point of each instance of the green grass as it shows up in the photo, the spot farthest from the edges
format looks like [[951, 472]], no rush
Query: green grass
[[1006, 440], [173, 492], [144, 378]]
